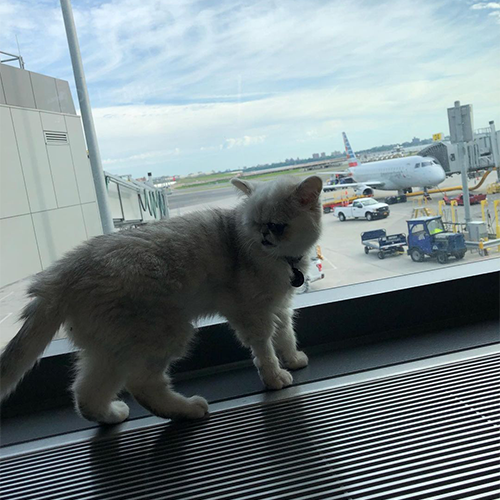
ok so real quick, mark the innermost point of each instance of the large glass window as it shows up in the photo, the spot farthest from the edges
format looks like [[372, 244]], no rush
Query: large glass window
[[187, 95]]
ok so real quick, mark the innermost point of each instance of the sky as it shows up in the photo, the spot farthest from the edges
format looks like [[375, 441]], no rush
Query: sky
[[185, 86]]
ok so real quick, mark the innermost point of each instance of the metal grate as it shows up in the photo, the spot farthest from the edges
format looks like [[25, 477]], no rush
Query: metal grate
[[431, 434], [55, 137]]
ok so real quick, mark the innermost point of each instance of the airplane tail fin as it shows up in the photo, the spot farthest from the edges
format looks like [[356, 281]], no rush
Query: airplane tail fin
[[351, 157]]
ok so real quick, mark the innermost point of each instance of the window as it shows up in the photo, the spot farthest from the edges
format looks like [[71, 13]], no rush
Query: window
[[418, 230], [178, 103], [435, 226], [369, 201]]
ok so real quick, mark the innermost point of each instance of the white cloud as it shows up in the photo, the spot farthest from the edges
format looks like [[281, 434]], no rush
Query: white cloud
[[488, 5], [243, 141], [298, 123], [139, 158], [281, 78]]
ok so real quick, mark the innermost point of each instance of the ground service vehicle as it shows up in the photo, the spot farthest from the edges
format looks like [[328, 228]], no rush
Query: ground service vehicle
[[427, 236], [391, 200], [493, 188], [475, 199], [363, 207], [383, 244]]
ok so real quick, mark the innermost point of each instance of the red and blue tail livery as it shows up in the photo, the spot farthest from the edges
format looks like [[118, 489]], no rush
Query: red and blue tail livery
[[351, 157]]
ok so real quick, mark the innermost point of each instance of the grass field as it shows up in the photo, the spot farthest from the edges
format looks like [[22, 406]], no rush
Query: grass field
[[222, 180]]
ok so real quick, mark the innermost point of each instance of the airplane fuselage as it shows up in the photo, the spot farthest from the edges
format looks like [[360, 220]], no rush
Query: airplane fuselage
[[400, 173]]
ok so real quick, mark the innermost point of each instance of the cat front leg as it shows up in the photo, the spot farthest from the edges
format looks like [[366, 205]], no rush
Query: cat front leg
[[258, 337], [266, 361], [286, 342]]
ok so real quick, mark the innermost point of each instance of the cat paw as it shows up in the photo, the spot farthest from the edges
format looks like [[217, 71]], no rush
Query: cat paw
[[116, 413], [300, 360], [199, 407], [194, 407], [278, 380]]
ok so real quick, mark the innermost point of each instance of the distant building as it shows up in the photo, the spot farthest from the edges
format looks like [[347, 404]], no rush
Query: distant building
[[323, 155], [315, 156]]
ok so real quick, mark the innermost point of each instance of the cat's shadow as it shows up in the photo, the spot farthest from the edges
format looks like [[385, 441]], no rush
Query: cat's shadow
[[146, 460], [278, 441], [291, 440]]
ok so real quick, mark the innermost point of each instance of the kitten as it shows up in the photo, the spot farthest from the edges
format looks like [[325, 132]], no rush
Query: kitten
[[128, 300]]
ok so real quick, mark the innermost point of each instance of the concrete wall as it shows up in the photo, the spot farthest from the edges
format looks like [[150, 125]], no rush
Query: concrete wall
[[47, 196], [26, 89]]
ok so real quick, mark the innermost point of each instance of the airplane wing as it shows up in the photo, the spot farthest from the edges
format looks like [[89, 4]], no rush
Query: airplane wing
[[334, 187]]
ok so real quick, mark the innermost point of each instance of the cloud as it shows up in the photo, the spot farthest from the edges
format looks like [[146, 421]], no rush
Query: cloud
[[488, 5], [266, 79], [493, 6], [155, 156], [243, 141]]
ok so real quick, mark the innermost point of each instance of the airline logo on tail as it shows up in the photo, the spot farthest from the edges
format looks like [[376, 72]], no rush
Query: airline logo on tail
[[351, 157]]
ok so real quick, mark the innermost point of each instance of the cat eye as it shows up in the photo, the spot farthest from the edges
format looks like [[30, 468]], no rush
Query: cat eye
[[276, 229]]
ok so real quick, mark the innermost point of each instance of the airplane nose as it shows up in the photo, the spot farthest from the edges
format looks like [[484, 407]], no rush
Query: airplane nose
[[436, 176], [441, 175]]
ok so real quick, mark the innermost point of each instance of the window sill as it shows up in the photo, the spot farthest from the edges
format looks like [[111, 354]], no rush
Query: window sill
[[422, 313]]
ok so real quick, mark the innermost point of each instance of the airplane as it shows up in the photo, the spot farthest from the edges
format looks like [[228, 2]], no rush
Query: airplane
[[401, 174]]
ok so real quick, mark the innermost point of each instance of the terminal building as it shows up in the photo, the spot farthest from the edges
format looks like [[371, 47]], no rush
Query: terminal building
[[47, 196]]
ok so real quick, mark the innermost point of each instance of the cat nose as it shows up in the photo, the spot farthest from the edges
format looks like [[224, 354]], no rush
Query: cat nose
[[264, 230]]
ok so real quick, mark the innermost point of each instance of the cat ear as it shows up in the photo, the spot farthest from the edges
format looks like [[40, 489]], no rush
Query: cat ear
[[308, 190], [244, 186]]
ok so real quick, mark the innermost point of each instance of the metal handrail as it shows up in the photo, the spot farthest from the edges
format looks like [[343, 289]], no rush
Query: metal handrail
[[154, 199], [13, 57]]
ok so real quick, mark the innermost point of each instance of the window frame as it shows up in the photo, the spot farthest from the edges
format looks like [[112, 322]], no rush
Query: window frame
[[333, 317]]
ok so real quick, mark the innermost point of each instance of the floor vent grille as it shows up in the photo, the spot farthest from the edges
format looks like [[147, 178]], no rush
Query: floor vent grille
[[431, 434]]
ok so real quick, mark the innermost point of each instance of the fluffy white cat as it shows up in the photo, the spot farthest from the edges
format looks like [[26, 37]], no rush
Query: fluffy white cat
[[129, 299]]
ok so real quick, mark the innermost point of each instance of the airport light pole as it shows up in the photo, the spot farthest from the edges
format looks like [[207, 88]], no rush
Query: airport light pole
[[88, 121]]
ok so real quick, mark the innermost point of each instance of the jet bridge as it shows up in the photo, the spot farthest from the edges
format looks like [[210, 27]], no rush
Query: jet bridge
[[482, 152]]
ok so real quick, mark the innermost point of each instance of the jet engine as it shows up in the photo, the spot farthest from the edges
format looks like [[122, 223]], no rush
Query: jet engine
[[364, 190]]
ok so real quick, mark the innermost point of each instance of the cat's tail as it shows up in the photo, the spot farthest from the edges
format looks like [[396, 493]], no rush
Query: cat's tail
[[40, 325]]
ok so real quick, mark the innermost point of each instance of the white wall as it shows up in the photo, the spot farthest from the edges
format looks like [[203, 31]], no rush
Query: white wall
[[47, 196]]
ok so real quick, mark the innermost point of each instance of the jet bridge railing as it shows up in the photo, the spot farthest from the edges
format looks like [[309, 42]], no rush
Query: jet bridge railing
[[134, 203]]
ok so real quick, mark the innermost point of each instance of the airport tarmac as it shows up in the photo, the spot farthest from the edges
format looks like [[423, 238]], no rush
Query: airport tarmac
[[344, 259]]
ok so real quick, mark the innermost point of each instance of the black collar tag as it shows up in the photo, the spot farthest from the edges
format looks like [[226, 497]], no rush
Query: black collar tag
[[298, 278]]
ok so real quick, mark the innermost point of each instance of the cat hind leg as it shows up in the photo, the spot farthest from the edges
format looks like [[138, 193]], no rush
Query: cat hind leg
[[153, 391], [150, 385], [95, 389]]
